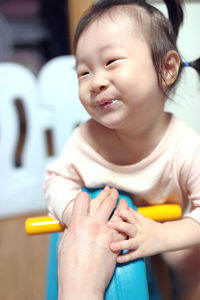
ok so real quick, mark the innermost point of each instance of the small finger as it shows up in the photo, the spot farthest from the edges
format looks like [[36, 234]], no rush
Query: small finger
[[124, 245], [127, 228], [128, 215], [122, 205], [129, 256], [119, 236]]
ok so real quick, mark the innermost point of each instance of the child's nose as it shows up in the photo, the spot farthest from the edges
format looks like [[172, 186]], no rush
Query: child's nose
[[98, 84]]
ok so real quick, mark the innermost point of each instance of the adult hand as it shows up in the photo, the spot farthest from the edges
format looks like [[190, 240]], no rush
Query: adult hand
[[85, 262]]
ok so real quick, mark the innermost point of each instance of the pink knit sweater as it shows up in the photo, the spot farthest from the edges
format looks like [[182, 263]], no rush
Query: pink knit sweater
[[170, 174]]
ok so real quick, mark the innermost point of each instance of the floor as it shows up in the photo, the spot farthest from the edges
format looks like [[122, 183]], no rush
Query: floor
[[22, 261]]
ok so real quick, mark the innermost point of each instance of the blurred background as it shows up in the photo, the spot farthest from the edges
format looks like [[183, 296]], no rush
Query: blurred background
[[37, 113], [32, 33]]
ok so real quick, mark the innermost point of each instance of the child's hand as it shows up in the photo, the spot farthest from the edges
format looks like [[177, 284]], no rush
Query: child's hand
[[144, 235]]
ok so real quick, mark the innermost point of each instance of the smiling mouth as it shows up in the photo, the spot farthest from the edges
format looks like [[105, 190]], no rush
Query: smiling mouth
[[106, 104]]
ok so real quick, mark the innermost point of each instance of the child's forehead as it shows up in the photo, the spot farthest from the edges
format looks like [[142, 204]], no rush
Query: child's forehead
[[131, 16], [128, 11], [116, 22]]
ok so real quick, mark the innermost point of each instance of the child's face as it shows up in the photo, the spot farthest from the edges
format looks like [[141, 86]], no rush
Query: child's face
[[118, 84]]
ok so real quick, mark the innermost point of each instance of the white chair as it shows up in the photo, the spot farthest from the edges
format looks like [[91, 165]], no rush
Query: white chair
[[49, 102], [20, 181], [58, 91]]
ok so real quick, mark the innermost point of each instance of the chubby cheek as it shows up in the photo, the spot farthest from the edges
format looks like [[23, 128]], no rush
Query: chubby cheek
[[138, 85], [85, 100], [83, 95], [128, 84]]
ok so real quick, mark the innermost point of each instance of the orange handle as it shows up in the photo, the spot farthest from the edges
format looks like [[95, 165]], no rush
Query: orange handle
[[160, 213]]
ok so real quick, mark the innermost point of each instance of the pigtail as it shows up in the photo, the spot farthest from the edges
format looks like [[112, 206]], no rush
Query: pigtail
[[194, 64], [176, 16], [175, 12]]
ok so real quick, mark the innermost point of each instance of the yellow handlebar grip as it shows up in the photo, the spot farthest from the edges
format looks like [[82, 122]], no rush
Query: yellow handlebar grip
[[40, 225], [160, 213]]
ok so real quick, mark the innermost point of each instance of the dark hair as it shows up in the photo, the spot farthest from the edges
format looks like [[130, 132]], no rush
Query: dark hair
[[160, 33]]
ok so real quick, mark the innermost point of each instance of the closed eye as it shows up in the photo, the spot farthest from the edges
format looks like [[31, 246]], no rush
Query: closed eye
[[110, 62], [83, 74]]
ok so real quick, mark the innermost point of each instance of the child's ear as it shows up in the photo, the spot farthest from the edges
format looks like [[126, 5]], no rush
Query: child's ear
[[170, 68]]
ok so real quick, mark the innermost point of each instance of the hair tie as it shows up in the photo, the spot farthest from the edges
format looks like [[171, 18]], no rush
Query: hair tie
[[186, 64]]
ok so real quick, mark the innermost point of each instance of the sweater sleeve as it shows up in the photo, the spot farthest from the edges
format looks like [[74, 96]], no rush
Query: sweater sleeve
[[62, 180], [193, 187]]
